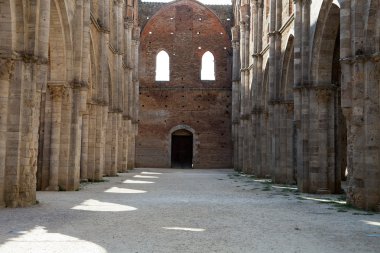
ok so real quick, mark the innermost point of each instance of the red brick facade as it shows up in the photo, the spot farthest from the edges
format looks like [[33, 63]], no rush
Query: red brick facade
[[185, 30]]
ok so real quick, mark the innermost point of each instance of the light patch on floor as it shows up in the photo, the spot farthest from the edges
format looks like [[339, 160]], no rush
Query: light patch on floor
[[151, 173], [123, 190], [285, 187], [142, 176], [98, 206], [324, 200], [186, 229], [372, 223], [39, 240], [128, 181]]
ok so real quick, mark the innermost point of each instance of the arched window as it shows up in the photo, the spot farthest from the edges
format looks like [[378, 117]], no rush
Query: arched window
[[208, 67], [162, 66]]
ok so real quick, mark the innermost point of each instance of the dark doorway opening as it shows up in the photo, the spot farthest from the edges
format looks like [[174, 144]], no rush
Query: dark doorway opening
[[182, 149]]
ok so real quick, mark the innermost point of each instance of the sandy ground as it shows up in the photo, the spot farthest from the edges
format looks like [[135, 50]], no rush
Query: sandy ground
[[171, 210]]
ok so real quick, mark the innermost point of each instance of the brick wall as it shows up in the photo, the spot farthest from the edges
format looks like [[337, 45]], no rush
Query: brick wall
[[185, 30]]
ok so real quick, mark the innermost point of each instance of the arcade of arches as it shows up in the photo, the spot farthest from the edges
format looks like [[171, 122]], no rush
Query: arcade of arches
[[286, 89]]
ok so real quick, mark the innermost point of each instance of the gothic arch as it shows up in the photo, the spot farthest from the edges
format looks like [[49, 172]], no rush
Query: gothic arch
[[325, 37], [60, 44], [287, 75], [208, 58], [372, 24], [265, 87], [195, 140], [7, 20], [93, 66], [162, 54]]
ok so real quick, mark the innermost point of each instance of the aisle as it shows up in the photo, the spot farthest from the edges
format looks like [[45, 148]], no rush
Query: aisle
[[168, 210]]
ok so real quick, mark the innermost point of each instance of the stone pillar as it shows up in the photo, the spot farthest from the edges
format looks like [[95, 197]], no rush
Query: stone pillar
[[73, 179], [56, 92], [360, 101], [84, 148], [257, 83], [111, 144], [302, 91], [272, 103], [235, 94], [244, 88], [6, 68]]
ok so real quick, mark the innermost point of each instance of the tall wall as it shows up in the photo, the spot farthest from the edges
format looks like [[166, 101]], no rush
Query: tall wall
[[66, 95], [185, 30], [304, 103]]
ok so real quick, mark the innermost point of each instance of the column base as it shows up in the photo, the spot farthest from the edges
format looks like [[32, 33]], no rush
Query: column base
[[323, 191], [52, 188]]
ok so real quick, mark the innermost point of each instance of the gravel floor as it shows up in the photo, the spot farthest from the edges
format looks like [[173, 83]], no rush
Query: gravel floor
[[167, 210]]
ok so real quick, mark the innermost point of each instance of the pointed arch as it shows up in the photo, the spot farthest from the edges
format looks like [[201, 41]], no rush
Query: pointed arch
[[162, 66], [287, 75], [60, 43], [208, 67], [265, 87], [372, 31], [324, 43]]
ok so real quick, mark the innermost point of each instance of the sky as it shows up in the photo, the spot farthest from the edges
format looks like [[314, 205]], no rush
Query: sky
[[202, 1]]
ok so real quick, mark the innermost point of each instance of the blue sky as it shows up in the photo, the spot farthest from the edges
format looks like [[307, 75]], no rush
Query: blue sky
[[202, 1]]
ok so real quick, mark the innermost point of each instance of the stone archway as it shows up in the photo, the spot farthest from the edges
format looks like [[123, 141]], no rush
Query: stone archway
[[182, 147]]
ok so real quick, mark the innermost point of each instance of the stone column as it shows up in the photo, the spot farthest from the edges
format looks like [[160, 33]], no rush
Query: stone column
[[56, 92], [6, 69], [302, 91], [73, 179], [235, 94], [319, 163], [84, 148], [244, 88], [111, 144]]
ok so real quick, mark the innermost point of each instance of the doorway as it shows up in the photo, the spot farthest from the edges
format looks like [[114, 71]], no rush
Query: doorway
[[182, 149]]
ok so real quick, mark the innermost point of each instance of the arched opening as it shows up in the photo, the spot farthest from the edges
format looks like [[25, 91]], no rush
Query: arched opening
[[208, 67], [332, 129], [182, 149], [162, 66]]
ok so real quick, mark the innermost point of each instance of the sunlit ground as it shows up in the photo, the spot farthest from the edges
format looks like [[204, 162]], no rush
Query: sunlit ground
[[143, 176], [323, 200], [98, 206], [187, 211], [40, 240], [185, 229], [129, 181], [123, 190], [372, 223], [151, 173]]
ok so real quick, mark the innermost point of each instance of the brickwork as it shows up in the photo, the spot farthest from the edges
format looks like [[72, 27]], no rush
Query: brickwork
[[185, 30]]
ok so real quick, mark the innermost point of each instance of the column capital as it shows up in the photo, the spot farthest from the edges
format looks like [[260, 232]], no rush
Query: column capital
[[56, 90], [128, 24], [324, 95], [303, 2], [118, 3], [235, 44], [136, 33], [6, 68]]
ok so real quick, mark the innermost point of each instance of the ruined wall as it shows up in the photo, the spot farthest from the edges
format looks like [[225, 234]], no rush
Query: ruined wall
[[298, 112], [185, 30], [66, 95]]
